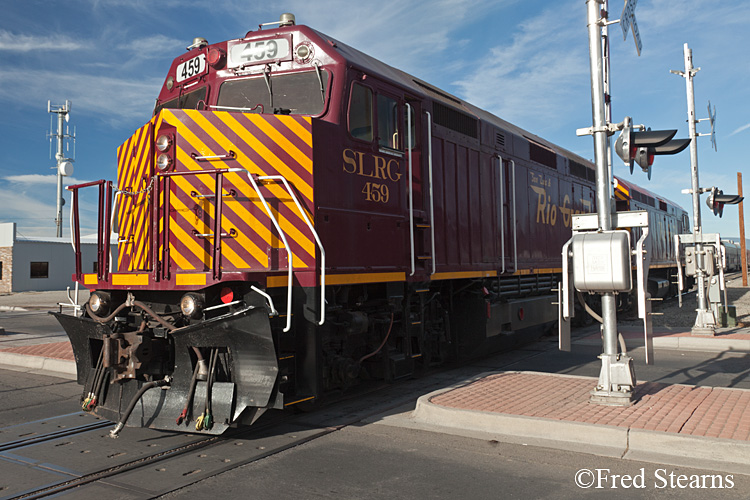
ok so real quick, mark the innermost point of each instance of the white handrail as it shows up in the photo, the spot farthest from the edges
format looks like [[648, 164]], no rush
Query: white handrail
[[317, 240], [432, 194], [411, 191], [502, 212], [288, 251], [515, 225], [274, 312]]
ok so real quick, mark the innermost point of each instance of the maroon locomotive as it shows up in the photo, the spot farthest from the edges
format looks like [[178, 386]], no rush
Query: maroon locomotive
[[297, 216]]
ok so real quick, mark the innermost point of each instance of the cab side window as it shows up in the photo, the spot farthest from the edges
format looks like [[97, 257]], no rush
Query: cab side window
[[360, 113], [388, 123]]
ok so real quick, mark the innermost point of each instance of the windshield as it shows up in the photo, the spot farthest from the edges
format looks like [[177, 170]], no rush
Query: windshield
[[192, 100], [296, 93]]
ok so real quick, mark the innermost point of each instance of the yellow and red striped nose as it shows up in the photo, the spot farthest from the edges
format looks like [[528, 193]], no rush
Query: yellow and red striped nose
[[203, 141]]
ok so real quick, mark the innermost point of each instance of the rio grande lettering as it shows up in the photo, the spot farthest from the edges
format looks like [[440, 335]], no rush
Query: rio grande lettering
[[546, 211], [373, 167]]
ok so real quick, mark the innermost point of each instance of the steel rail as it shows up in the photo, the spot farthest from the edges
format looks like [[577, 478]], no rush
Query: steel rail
[[20, 443]]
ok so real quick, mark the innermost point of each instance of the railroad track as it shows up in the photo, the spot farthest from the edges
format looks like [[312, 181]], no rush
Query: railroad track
[[66, 432], [187, 460]]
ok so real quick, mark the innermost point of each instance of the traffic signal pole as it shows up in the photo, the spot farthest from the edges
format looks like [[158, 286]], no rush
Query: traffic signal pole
[[705, 322]]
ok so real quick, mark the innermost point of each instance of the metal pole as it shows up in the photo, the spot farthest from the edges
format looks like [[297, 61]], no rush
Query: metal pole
[[743, 246], [705, 322], [611, 389], [59, 157]]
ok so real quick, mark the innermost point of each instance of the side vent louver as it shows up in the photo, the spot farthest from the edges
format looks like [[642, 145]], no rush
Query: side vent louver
[[582, 171], [454, 120], [542, 155], [500, 140]]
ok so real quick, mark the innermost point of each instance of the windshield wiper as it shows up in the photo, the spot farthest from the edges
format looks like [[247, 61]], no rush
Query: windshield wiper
[[266, 76], [320, 79]]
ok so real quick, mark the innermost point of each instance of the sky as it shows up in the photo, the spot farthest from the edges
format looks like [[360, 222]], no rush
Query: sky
[[524, 60]]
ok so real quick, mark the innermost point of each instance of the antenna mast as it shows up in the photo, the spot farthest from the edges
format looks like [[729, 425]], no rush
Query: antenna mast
[[64, 165]]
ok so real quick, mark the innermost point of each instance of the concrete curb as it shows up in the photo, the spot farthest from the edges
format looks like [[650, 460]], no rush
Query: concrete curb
[[573, 436], [690, 451], [711, 344], [38, 364], [12, 308], [632, 444]]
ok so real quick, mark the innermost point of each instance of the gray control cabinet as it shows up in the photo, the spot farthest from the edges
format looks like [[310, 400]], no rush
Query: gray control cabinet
[[602, 261]]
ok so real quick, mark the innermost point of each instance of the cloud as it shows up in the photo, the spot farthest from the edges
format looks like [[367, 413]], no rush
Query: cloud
[[153, 47], [538, 74], [29, 200], [40, 179], [413, 36], [741, 129], [25, 43], [113, 99]]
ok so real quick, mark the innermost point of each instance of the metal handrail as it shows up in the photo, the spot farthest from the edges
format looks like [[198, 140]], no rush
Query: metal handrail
[[288, 326], [317, 240], [411, 191], [515, 225], [432, 194], [103, 228], [216, 250], [502, 213]]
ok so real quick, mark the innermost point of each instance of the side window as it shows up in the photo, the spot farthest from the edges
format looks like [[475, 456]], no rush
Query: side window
[[388, 124], [360, 113]]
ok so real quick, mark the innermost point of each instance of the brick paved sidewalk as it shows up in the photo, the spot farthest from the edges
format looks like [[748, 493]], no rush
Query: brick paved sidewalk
[[680, 409]]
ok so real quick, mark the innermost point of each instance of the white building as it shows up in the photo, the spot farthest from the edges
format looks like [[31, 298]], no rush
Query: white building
[[39, 264]]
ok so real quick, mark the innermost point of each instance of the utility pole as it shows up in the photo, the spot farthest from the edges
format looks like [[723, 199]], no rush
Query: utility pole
[[64, 165]]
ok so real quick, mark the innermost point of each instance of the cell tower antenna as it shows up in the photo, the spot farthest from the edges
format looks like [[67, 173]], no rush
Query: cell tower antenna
[[64, 165]]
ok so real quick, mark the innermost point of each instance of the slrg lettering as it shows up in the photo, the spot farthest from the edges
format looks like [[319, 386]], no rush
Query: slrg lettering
[[378, 168]]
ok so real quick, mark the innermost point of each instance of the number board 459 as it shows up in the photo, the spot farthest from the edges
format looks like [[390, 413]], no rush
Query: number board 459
[[246, 53], [190, 68]]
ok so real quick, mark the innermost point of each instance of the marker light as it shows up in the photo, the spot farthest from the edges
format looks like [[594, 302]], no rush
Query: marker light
[[163, 143], [163, 162], [216, 58], [226, 295]]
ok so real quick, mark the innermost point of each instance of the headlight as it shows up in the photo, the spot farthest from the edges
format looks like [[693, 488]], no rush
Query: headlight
[[163, 162], [192, 305], [99, 303], [163, 143]]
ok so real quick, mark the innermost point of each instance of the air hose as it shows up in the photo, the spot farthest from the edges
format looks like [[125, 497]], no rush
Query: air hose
[[145, 387]]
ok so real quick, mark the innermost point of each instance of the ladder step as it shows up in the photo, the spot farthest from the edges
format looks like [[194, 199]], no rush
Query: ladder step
[[423, 226], [424, 257]]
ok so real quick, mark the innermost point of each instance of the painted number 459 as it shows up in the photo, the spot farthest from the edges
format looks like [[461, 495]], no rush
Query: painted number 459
[[379, 193]]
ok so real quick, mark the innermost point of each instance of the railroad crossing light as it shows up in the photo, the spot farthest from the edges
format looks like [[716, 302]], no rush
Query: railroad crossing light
[[717, 199], [641, 147], [622, 144]]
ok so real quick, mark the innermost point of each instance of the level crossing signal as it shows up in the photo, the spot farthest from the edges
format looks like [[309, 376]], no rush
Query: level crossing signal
[[641, 146], [717, 199]]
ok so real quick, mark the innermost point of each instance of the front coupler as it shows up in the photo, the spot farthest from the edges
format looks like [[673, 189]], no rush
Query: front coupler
[[243, 384]]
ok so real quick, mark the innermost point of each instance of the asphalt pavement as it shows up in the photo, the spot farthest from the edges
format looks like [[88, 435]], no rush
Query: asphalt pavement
[[704, 424]]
